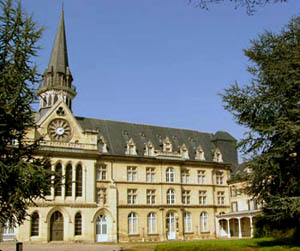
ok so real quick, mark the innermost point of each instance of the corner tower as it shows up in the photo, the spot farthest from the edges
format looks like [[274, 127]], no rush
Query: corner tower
[[57, 78]]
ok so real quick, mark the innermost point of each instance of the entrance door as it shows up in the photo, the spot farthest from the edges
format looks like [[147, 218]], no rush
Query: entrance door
[[171, 227], [223, 228], [57, 227], [101, 229]]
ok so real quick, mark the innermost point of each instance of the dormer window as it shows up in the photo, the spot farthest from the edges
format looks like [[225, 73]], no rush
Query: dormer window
[[149, 151], [167, 145], [184, 152], [102, 146], [131, 147], [200, 153], [218, 156]]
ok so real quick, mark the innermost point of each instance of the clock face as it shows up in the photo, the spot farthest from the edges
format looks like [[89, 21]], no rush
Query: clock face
[[59, 130]]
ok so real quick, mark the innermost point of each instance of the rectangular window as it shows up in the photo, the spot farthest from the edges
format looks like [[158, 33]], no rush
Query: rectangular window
[[101, 172], [201, 177], [101, 196], [131, 196], [221, 197], [131, 173], [187, 222], [233, 191], [219, 178], [186, 197], [202, 197], [150, 196], [150, 174], [234, 206], [185, 176], [252, 204]]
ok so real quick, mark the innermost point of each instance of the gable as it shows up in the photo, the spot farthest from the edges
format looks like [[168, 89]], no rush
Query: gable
[[58, 128]]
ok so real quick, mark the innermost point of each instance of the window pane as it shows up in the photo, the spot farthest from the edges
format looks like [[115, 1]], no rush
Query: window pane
[[68, 184], [78, 181], [57, 180], [35, 224]]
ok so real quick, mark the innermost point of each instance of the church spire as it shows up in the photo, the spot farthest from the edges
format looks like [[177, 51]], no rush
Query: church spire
[[57, 78], [59, 55]]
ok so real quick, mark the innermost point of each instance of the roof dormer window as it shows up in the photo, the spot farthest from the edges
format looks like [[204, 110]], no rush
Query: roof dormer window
[[200, 154], [149, 151], [102, 146], [167, 145], [184, 152], [218, 156], [131, 147]]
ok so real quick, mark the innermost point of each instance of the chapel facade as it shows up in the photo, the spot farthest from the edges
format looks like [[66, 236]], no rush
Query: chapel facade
[[124, 181]]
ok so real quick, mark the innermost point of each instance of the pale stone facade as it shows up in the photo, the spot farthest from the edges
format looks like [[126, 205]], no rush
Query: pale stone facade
[[123, 181], [240, 221]]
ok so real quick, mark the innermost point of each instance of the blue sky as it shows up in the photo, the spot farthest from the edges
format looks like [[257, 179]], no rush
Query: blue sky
[[159, 62]]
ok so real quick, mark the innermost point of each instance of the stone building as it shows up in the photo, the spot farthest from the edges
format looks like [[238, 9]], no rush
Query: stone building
[[240, 220], [124, 181]]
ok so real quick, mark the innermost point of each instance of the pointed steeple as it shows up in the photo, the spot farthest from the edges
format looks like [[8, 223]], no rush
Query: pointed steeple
[[57, 78], [59, 55]]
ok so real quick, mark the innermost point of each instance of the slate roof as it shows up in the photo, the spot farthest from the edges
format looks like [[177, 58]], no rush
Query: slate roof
[[59, 55], [117, 134]]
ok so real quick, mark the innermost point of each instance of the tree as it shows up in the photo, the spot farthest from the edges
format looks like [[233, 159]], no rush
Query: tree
[[270, 108], [23, 177], [250, 5]]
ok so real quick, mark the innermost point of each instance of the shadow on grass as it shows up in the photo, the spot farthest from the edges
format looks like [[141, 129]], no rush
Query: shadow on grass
[[287, 242]]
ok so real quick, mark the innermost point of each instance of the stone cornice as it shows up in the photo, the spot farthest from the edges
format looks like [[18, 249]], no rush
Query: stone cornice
[[182, 162], [169, 184], [166, 207], [72, 205]]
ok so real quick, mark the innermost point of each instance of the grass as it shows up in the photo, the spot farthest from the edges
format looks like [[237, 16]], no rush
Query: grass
[[264, 244]]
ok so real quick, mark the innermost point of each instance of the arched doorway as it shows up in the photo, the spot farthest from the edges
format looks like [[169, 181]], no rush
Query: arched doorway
[[245, 227], [234, 227], [57, 227], [101, 228], [223, 228], [171, 226]]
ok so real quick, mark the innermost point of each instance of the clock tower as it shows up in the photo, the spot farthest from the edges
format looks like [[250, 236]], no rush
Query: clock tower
[[57, 78]]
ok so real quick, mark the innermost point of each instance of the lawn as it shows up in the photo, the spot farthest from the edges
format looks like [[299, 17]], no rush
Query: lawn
[[265, 244]]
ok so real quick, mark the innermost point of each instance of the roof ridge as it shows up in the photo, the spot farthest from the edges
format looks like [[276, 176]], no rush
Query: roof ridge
[[141, 124]]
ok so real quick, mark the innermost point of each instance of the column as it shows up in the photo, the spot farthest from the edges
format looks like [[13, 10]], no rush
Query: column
[[251, 226], [228, 229], [84, 188], [240, 230], [63, 188], [162, 229], [52, 183], [73, 182]]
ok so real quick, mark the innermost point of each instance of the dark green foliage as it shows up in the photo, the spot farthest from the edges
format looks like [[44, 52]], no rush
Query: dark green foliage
[[22, 176], [270, 108], [250, 5], [265, 228]]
